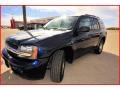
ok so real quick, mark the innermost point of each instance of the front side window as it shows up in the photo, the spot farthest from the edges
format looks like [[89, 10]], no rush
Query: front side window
[[85, 22]]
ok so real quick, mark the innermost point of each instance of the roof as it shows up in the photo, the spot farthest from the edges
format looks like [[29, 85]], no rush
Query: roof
[[91, 16]]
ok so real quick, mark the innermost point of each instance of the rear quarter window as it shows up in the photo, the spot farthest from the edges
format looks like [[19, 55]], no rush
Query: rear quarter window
[[102, 26]]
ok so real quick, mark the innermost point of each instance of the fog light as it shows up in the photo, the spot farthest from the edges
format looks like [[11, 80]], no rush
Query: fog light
[[36, 63]]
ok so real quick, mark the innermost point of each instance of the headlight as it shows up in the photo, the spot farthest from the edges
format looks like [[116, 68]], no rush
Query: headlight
[[28, 52]]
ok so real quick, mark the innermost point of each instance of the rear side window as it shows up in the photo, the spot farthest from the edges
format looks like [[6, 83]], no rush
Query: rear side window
[[95, 24]]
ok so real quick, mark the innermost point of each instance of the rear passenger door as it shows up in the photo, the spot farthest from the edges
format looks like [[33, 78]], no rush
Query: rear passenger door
[[95, 31]]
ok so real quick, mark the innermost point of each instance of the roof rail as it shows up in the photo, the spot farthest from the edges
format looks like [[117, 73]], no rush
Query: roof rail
[[90, 15]]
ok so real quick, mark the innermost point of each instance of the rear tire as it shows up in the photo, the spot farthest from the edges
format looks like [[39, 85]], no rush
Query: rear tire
[[99, 48], [57, 66]]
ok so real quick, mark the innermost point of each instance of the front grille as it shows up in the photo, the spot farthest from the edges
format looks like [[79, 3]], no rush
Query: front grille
[[18, 59], [12, 45], [14, 55]]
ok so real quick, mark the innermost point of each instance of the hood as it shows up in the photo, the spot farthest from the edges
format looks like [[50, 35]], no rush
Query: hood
[[23, 38], [39, 34]]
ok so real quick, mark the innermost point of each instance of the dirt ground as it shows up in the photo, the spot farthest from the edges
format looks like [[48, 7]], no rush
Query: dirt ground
[[88, 69]]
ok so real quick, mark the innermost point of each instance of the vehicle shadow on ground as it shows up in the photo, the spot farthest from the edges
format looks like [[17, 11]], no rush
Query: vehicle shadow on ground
[[88, 69]]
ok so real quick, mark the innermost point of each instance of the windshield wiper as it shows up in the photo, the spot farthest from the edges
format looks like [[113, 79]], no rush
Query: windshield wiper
[[56, 28], [62, 28]]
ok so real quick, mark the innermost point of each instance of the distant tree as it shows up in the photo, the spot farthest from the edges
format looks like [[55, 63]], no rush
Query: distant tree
[[112, 28]]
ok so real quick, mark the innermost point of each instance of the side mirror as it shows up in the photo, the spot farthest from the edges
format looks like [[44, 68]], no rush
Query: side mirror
[[84, 29]]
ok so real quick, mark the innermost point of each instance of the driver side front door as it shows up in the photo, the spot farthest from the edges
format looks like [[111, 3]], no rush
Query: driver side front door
[[83, 39]]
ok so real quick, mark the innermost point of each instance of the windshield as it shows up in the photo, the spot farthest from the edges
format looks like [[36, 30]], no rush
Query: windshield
[[61, 23]]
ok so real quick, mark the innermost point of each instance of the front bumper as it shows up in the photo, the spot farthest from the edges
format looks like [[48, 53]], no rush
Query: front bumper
[[29, 68]]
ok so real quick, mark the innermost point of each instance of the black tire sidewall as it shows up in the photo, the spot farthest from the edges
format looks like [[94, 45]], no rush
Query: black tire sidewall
[[58, 69], [99, 47], [62, 69]]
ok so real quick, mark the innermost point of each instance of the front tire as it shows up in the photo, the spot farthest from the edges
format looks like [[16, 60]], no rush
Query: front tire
[[57, 66], [99, 48]]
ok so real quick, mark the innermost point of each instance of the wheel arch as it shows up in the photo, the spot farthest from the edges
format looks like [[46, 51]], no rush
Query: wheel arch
[[103, 38], [68, 53]]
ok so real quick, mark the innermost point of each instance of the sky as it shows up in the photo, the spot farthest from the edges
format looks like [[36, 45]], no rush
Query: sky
[[109, 14]]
